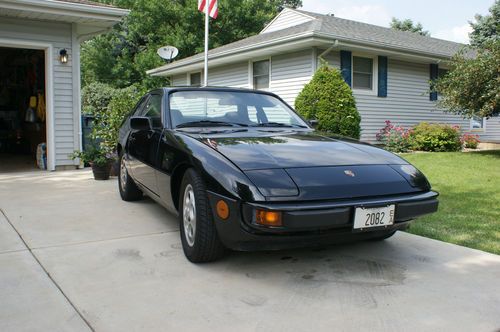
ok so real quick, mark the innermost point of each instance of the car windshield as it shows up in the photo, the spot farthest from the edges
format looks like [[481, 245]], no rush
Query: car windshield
[[204, 108]]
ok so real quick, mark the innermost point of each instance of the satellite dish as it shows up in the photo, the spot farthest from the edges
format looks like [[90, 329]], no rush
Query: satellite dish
[[168, 52]]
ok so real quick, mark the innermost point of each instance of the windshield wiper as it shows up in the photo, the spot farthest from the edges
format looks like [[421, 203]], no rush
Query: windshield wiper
[[278, 124], [210, 123]]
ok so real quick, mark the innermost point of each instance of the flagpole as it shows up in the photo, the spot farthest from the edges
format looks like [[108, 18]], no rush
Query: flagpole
[[205, 81]]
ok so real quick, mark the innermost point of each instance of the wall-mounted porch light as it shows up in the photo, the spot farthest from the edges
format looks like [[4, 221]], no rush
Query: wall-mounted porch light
[[63, 56]]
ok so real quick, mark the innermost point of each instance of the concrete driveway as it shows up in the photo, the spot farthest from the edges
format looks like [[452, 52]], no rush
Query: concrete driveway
[[74, 257]]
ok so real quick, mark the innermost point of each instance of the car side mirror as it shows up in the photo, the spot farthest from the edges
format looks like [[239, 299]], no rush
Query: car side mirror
[[140, 123], [313, 122]]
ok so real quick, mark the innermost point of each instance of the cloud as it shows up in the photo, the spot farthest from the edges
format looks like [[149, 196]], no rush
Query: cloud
[[373, 14], [458, 34]]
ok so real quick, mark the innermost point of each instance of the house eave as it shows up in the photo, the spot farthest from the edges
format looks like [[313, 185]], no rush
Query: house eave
[[72, 11], [387, 49], [295, 42], [236, 54]]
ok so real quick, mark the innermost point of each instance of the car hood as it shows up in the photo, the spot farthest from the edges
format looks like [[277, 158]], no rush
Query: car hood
[[267, 150]]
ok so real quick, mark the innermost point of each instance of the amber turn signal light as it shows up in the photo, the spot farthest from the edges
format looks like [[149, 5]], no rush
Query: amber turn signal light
[[222, 210], [268, 218]]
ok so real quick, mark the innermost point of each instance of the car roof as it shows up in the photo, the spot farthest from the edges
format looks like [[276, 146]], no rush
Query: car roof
[[214, 88]]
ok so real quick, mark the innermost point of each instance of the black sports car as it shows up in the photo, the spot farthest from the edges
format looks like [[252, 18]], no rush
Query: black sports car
[[244, 171]]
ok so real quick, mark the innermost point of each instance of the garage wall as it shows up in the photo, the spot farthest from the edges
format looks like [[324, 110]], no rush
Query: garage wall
[[59, 35]]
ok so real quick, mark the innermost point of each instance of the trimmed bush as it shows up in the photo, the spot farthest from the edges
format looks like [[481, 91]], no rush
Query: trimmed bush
[[328, 99], [109, 107], [435, 137]]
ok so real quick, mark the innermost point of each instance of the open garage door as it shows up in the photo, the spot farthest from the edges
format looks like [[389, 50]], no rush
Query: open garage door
[[23, 112]]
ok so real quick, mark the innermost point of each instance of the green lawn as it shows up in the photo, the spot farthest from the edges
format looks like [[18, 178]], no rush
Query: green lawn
[[469, 201]]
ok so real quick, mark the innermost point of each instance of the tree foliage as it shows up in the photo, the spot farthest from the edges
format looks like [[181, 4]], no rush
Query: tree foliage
[[472, 86], [108, 106], [487, 28], [328, 99], [408, 25], [121, 57]]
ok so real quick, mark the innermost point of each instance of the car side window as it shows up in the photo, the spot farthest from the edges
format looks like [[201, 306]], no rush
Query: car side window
[[152, 110], [140, 106]]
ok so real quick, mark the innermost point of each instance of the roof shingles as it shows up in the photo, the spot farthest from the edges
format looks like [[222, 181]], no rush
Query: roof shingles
[[89, 3], [343, 30]]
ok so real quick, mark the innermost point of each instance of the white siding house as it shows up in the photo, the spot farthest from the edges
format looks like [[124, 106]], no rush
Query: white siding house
[[294, 44], [52, 27]]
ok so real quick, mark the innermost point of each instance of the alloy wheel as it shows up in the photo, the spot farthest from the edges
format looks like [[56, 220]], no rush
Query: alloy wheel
[[189, 215]]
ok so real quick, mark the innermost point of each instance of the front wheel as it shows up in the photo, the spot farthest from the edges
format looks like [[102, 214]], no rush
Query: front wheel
[[199, 237]]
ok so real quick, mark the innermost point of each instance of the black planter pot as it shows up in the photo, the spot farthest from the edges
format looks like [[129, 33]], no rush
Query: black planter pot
[[101, 172], [115, 168]]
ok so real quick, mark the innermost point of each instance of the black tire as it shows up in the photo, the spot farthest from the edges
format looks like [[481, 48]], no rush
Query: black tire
[[128, 189], [202, 244], [383, 237]]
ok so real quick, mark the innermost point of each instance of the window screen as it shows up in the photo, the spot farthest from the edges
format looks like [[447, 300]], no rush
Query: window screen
[[195, 79], [362, 73], [261, 74]]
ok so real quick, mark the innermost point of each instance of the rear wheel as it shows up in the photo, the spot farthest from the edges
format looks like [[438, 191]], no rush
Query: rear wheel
[[128, 189], [199, 237]]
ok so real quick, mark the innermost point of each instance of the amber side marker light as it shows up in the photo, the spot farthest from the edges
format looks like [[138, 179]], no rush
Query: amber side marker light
[[268, 218], [222, 210]]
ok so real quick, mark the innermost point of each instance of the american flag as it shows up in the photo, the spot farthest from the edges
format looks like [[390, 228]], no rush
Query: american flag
[[213, 10]]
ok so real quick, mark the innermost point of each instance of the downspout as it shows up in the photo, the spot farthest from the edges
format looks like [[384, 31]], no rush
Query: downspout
[[87, 36], [76, 42], [328, 50]]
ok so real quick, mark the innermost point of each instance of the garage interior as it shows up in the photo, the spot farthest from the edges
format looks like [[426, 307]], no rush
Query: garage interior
[[22, 110]]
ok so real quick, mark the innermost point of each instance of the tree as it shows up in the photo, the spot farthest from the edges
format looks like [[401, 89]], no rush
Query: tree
[[487, 28], [328, 99], [408, 25], [121, 57], [472, 86]]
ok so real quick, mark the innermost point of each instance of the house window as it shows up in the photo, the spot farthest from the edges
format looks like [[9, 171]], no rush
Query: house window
[[477, 123], [261, 74], [362, 73], [442, 72], [195, 79]]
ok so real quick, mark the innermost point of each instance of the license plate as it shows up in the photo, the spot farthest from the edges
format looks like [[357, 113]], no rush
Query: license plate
[[374, 217]]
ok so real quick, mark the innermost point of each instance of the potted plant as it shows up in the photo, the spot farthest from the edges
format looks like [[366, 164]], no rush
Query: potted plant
[[99, 158]]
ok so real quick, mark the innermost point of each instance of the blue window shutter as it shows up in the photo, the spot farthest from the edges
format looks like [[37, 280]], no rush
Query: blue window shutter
[[346, 65], [433, 76], [382, 76]]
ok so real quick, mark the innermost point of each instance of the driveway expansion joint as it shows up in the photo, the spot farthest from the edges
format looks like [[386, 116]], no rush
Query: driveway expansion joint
[[45, 270], [102, 240]]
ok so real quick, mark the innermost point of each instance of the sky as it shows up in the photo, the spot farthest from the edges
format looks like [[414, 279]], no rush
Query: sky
[[445, 19]]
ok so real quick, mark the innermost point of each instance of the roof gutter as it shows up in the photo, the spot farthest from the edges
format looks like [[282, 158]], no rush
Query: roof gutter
[[66, 8], [231, 52], [323, 38], [390, 49]]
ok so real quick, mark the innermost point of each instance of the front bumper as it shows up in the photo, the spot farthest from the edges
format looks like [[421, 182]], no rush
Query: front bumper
[[313, 223]]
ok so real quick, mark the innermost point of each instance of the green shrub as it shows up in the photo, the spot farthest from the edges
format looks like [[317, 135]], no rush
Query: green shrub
[[435, 137], [96, 98], [328, 99], [109, 107]]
